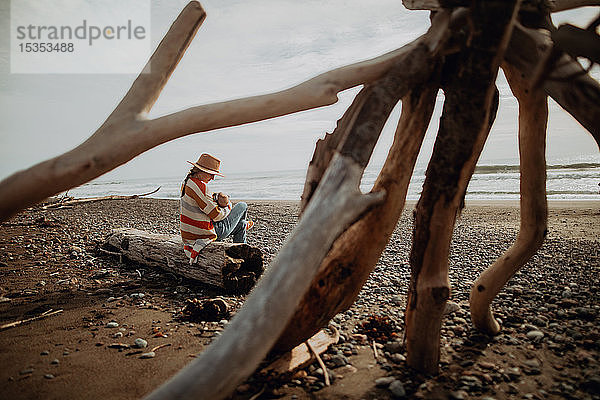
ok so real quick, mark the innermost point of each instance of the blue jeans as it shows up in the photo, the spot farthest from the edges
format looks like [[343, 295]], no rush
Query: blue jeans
[[234, 224]]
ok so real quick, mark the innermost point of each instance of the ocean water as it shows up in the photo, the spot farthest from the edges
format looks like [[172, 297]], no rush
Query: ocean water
[[571, 181]]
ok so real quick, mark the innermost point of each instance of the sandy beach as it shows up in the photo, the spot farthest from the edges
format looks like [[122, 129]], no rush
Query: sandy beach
[[49, 260]]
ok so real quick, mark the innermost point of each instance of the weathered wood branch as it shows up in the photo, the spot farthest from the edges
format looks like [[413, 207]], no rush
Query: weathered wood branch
[[301, 355], [577, 42], [326, 147], [125, 135], [564, 5], [533, 117], [567, 83], [350, 261], [551, 5], [233, 267], [120, 138], [95, 199], [471, 100]]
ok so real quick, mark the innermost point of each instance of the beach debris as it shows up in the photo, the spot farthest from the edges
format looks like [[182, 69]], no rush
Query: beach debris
[[320, 361], [23, 321], [160, 346], [68, 203], [302, 354], [205, 310], [235, 267], [380, 329], [119, 346]]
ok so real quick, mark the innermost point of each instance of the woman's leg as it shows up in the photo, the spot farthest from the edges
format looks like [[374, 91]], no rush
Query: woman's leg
[[234, 224]]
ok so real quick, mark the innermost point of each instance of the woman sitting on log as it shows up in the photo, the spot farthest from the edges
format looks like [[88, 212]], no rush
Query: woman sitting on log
[[206, 216]]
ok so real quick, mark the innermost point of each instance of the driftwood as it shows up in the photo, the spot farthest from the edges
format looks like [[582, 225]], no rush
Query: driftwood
[[465, 123], [552, 5], [233, 267], [68, 203], [302, 355], [348, 265], [24, 321], [533, 116], [566, 81]]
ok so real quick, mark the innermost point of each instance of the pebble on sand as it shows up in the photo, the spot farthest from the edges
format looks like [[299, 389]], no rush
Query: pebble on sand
[[397, 389], [112, 324], [535, 335], [150, 354], [140, 343]]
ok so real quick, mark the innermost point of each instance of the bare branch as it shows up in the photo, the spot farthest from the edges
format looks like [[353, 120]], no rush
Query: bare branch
[[533, 117], [567, 82], [471, 101], [147, 87], [349, 262], [563, 5], [551, 5], [326, 147]]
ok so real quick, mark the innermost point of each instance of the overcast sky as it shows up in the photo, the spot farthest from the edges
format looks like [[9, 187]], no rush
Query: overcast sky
[[243, 48]]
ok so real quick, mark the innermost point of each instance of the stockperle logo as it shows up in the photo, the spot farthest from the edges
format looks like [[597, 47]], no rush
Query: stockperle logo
[[80, 36]]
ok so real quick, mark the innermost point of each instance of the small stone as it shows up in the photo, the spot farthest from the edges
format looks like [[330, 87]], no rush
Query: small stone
[[451, 308], [397, 358], [486, 365], [458, 395], [339, 361], [301, 374], [118, 335], [148, 355], [397, 389], [385, 381], [398, 300], [49, 376], [532, 363], [55, 361], [26, 371], [4, 299], [347, 369], [45, 353], [535, 336], [513, 372], [112, 324], [393, 347], [140, 343]]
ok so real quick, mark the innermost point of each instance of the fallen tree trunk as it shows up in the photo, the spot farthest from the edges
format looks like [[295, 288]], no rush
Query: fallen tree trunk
[[231, 266]]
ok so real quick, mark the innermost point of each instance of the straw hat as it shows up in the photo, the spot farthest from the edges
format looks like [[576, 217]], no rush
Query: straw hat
[[208, 164]]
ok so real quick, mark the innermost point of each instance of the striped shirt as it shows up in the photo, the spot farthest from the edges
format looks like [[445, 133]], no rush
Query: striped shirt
[[198, 211]]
